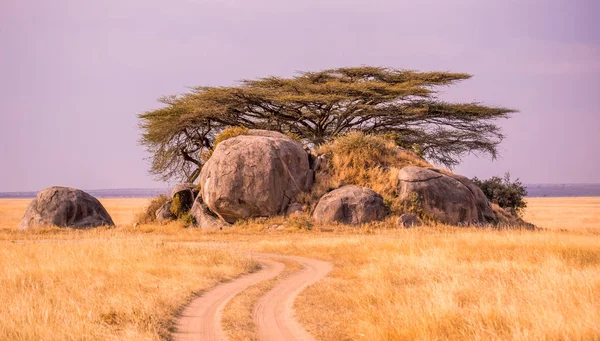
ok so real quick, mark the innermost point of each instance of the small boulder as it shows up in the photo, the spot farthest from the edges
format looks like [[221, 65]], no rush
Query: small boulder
[[254, 175], [65, 207], [350, 205], [310, 180], [186, 194], [204, 217], [294, 208], [164, 212], [320, 162], [408, 220]]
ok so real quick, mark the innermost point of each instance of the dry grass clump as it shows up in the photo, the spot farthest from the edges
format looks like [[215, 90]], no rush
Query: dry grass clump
[[104, 289], [226, 134], [365, 160], [229, 133], [148, 215]]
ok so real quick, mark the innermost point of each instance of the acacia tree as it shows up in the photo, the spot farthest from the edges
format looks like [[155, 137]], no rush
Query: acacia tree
[[318, 106]]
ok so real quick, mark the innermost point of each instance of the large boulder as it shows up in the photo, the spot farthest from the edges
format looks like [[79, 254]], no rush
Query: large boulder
[[65, 207], [449, 199], [254, 175], [204, 217], [350, 205], [485, 213]]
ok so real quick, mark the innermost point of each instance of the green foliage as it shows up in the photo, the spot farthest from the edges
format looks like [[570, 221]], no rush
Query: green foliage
[[188, 219], [177, 207], [414, 204], [508, 195], [317, 107], [148, 216]]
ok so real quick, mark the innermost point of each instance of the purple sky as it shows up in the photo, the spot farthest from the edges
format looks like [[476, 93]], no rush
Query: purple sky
[[74, 74]]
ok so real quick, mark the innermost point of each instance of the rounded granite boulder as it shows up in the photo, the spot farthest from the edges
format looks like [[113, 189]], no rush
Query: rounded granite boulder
[[65, 207]]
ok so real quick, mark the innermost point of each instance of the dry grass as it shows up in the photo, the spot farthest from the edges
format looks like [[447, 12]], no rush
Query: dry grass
[[103, 289], [429, 283], [101, 284], [452, 285], [572, 214]]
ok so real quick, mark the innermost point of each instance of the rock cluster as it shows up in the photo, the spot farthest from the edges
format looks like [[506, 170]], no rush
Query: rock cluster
[[261, 173]]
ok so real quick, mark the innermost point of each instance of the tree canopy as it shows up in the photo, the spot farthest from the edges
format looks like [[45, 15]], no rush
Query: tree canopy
[[319, 106]]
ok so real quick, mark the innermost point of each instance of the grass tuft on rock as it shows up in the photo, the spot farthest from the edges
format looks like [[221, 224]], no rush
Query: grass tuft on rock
[[229, 133], [365, 160]]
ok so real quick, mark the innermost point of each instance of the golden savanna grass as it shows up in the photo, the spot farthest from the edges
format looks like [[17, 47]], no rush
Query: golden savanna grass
[[571, 214], [428, 283], [101, 284], [452, 285]]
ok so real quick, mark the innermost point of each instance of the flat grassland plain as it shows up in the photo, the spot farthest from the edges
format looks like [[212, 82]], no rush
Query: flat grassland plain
[[426, 283]]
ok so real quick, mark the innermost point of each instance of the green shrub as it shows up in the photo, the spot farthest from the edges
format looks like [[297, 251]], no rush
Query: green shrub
[[148, 216], [177, 207], [188, 219], [508, 195]]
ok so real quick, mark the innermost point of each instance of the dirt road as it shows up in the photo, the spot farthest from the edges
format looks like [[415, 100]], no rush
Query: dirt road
[[274, 313]]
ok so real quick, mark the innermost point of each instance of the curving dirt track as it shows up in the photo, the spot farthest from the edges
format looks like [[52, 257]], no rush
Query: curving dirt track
[[274, 313], [201, 319]]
